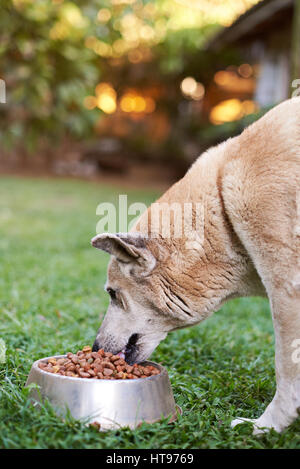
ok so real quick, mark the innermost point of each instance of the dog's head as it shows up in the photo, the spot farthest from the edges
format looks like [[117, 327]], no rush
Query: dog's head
[[144, 305]]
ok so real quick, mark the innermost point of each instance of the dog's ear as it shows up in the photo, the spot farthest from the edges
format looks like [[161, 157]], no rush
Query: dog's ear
[[126, 247]]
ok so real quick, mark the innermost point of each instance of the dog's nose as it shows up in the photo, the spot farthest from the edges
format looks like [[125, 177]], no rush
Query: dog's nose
[[95, 346]]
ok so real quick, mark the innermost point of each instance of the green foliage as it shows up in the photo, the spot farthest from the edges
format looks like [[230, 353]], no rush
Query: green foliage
[[51, 293], [47, 68], [46, 75], [181, 51], [49, 65]]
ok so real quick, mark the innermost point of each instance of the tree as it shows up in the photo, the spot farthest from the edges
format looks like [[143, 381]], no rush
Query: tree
[[54, 52]]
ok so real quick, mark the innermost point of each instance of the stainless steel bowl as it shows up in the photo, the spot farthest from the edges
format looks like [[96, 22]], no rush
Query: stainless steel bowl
[[111, 403]]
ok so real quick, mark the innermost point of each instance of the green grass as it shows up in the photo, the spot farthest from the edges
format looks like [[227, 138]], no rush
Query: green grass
[[51, 295]]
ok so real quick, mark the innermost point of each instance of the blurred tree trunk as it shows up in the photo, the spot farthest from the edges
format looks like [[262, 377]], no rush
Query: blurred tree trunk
[[296, 42]]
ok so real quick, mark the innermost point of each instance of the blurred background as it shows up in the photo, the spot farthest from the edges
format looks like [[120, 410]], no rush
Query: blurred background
[[137, 89], [106, 97]]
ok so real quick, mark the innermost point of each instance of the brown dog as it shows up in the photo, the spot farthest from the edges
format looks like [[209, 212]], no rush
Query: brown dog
[[242, 238]]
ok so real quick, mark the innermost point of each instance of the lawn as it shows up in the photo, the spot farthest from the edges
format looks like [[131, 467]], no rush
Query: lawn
[[51, 296]]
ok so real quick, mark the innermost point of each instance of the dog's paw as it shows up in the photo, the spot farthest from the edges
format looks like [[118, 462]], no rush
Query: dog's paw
[[259, 427], [241, 420]]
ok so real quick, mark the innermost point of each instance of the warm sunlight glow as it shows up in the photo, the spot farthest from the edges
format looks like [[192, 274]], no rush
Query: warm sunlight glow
[[148, 24], [226, 111], [231, 81], [199, 92], [132, 102], [188, 85], [106, 88], [106, 103], [191, 88], [208, 11], [231, 110], [104, 15], [106, 98]]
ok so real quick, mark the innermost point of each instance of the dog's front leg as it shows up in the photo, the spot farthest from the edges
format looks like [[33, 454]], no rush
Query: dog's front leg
[[283, 409]]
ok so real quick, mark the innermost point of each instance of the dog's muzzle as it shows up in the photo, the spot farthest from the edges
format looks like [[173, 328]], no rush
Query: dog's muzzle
[[129, 352]]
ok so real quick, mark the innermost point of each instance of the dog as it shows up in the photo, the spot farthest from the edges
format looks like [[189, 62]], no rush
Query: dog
[[248, 189]]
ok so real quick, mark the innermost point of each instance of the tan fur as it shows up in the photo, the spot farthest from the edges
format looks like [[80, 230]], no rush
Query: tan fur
[[248, 188]]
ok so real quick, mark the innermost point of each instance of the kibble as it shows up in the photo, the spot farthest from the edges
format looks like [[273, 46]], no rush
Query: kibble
[[96, 365]]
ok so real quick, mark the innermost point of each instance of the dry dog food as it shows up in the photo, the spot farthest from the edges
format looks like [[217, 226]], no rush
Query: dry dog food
[[96, 365]]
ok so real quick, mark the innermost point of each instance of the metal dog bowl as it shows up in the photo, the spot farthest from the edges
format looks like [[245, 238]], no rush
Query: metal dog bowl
[[111, 403]]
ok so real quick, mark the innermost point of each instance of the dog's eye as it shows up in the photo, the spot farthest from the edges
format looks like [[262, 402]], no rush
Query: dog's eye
[[112, 293]]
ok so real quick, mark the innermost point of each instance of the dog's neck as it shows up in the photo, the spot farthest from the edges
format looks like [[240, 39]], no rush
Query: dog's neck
[[208, 261], [194, 208]]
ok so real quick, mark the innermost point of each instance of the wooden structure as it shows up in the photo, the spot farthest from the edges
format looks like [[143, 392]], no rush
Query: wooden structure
[[268, 36]]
